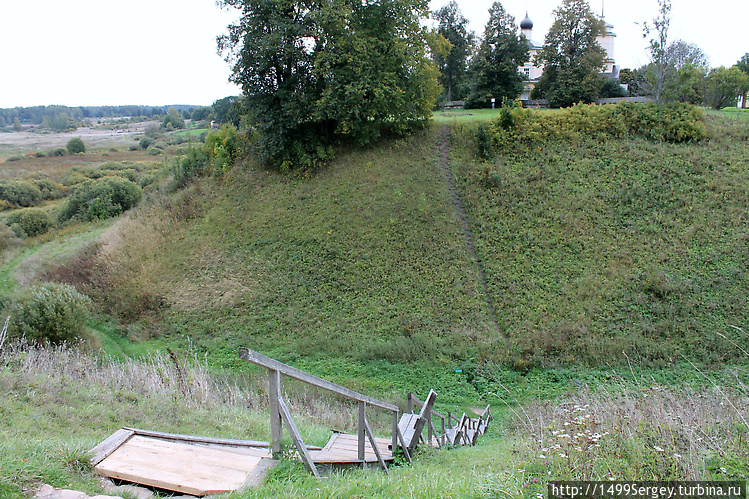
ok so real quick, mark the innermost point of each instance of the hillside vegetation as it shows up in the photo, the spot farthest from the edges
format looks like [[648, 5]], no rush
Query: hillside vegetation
[[589, 277], [594, 247]]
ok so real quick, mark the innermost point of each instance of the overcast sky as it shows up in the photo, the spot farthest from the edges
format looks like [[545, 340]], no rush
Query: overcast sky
[[160, 52]]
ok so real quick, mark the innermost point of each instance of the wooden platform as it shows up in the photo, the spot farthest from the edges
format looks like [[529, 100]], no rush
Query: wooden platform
[[198, 467], [343, 448]]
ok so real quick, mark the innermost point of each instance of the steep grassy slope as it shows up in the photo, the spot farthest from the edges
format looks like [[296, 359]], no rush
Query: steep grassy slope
[[364, 260], [594, 251], [593, 248]]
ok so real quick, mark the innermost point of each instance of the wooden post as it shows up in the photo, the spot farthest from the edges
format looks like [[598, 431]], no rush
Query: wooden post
[[276, 430], [410, 403], [394, 444], [376, 449], [362, 422], [430, 426], [296, 437]]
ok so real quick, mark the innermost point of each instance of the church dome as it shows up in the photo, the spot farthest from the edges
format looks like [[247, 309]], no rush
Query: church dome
[[526, 23]]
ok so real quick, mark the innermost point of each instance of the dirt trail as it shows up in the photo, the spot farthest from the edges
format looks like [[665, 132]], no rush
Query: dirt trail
[[443, 141]]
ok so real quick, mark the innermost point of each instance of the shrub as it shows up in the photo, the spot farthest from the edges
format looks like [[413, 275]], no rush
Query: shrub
[[672, 123], [187, 167], [54, 312], [49, 188], [60, 151], [101, 198], [223, 148], [14, 158], [35, 222], [146, 142], [76, 146], [20, 194]]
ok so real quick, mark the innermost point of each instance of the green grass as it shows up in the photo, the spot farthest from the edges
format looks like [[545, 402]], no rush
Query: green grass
[[595, 248], [454, 116], [196, 132], [360, 273]]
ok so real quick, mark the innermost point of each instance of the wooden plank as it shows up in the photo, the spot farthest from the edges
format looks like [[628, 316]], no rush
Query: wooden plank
[[296, 436], [344, 448], [292, 372], [161, 449], [104, 449], [407, 427], [360, 436], [276, 430], [197, 439], [177, 466]]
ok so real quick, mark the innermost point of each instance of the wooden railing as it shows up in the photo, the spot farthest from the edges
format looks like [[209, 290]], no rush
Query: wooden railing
[[279, 411], [431, 432]]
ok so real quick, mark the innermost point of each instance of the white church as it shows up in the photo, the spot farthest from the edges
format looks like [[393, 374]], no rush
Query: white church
[[533, 73]]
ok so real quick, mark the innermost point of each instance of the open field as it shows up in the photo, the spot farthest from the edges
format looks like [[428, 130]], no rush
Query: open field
[[20, 143]]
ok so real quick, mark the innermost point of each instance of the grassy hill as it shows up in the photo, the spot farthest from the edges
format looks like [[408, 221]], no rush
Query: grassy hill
[[586, 251], [563, 278]]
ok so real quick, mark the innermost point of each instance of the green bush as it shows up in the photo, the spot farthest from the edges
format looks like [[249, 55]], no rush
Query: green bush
[[54, 312], [101, 198], [76, 146], [673, 123], [35, 221], [60, 151], [49, 188], [20, 194], [222, 148], [146, 142]]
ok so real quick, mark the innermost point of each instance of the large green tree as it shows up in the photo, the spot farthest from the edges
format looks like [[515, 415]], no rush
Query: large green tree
[[318, 72], [572, 57], [453, 65], [495, 68], [724, 85]]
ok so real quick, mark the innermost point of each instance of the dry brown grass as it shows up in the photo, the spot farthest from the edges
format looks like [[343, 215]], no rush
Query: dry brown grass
[[57, 167], [642, 432]]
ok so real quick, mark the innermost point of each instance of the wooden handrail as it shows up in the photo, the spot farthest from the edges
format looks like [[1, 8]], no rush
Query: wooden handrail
[[416, 399], [280, 413], [292, 372]]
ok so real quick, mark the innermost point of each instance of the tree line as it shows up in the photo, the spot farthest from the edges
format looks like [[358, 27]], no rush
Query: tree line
[[62, 118], [318, 74], [476, 69]]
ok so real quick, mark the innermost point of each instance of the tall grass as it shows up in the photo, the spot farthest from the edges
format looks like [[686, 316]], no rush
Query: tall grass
[[640, 430]]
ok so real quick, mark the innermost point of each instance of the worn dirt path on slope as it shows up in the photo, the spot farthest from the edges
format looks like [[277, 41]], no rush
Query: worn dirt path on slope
[[443, 141]]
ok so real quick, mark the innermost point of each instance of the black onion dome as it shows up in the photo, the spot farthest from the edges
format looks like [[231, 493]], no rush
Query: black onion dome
[[526, 23]]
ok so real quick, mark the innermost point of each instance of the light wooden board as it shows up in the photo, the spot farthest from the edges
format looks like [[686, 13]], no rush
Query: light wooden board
[[344, 448], [179, 466]]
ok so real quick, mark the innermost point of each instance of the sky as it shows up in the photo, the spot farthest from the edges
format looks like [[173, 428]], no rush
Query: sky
[[163, 52]]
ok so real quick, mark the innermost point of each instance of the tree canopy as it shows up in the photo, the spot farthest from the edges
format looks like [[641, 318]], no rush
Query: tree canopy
[[724, 85], [454, 64], [572, 57], [495, 67], [319, 72]]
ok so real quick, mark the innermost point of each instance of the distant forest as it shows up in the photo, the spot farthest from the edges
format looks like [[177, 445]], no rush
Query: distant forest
[[35, 115]]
